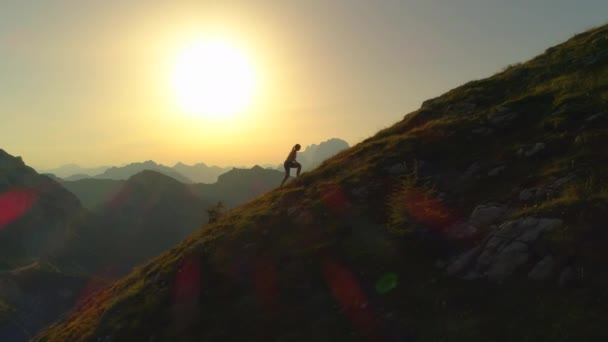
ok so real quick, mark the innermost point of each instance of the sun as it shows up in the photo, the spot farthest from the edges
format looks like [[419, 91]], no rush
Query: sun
[[213, 78]]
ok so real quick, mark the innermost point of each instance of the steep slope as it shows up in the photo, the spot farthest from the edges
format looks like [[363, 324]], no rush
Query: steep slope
[[150, 213], [124, 172], [481, 216], [37, 215], [238, 186], [38, 221]]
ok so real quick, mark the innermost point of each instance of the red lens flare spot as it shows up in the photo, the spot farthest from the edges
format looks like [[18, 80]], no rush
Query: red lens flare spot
[[334, 198], [425, 208], [14, 204], [347, 292], [186, 293], [187, 285], [266, 284]]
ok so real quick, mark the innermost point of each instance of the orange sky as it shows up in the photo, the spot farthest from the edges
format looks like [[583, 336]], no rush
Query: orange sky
[[89, 82]]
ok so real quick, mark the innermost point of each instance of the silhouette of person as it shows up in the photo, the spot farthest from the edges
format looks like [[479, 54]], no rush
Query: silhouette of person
[[291, 162]]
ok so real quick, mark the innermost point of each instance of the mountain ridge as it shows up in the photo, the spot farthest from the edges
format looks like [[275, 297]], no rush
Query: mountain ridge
[[477, 217]]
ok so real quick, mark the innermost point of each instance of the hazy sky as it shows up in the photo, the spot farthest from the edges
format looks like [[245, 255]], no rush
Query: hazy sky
[[89, 81]]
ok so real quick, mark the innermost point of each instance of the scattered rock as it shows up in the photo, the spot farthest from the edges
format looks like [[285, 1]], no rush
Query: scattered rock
[[396, 169], [501, 116], [528, 194], [532, 150], [461, 231], [484, 215], [496, 171], [504, 251], [483, 131], [567, 277], [472, 170], [591, 60], [507, 260], [544, 269], [463, 261], [595, 117]]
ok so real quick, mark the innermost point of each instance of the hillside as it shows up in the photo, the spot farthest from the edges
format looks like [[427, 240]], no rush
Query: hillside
[[480, 216]]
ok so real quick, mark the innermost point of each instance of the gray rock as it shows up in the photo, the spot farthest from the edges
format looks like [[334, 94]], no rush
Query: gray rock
[[505, 250], [595, 117], [567, 277], [507, 261], [501, 116], [483, 131], [463, 261], [472, 170], [532, 234], [396, 169], [461, 231], [483, 215], [496, 171], [528, 194], [544, 269], [535, 149]]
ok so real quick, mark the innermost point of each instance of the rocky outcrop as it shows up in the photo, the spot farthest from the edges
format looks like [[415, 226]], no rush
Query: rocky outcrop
[[505, 250], [532, 150], [502, 116]]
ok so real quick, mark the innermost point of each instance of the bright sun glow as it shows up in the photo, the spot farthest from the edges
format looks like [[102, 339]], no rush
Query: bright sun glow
[[213, 78]]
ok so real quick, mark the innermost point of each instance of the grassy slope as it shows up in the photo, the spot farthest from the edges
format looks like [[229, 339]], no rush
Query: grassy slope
[[305, 262]]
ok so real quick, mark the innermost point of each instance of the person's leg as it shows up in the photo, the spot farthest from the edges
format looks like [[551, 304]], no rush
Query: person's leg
[[299, 169], [286, 174]]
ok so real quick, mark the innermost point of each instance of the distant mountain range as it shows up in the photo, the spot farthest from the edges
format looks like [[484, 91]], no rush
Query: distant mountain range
[[201, 173], [237, 186], [69, 170], [124, 172], [311, 157]]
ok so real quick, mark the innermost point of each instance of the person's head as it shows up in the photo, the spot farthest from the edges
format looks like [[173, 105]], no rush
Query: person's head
[[296, 147]]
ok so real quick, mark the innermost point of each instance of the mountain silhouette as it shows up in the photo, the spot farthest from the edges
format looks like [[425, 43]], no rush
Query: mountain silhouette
[[313, 155], [238, 186], [37, 215], [201, 173], [70, 170], [478, 217], [39, 219], [124, 172]]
